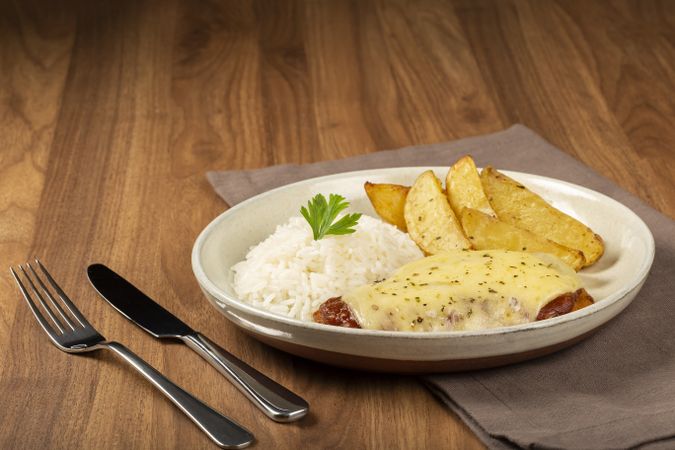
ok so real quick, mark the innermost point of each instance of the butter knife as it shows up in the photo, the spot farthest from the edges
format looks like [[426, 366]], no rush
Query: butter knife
[[274, 400]]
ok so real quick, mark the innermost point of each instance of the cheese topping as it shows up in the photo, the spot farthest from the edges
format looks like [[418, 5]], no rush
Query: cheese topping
[[463, 290]]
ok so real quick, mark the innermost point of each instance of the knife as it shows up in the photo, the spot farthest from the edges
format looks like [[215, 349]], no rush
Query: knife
[[276, 401]]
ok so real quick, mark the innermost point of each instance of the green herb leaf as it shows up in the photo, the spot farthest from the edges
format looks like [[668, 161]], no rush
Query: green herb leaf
[[321, 213]]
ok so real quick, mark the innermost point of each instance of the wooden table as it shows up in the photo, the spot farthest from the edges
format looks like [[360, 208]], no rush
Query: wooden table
[[111, 113]]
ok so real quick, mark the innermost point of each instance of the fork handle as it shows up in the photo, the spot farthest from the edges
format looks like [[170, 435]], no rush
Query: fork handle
[[221, 430], [273, 399]]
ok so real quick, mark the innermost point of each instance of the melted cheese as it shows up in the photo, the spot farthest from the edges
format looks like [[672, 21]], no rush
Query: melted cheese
[[463, 290]]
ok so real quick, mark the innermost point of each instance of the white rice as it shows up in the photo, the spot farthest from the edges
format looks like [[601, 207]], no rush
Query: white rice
[[291, 274]]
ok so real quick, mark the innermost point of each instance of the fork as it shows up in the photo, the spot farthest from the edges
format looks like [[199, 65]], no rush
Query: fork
[[72, 333]]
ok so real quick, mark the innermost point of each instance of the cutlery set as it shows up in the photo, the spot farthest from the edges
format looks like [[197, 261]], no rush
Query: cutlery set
[[70, 331]]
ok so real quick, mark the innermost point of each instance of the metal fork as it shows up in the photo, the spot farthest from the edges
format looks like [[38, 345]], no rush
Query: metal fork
[[70, 331]]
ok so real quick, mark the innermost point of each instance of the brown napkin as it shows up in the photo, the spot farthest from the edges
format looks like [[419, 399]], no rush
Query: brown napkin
[[614, 390]]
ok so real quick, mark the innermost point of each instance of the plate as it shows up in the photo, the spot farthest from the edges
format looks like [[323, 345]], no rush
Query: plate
[[613, 281]]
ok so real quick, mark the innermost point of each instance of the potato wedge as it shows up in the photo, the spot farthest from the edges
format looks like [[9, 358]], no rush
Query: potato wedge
[[430, 220], [464, 189], [489, 233], [517, 205], [388, 200]]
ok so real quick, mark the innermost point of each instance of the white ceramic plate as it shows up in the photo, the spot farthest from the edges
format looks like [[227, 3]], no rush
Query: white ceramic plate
[[613, 281]]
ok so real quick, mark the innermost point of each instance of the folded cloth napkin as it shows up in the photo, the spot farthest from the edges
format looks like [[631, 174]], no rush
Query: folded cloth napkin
[[613, 390]]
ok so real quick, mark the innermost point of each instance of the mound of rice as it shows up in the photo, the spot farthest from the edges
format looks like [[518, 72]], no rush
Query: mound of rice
[[291, 274]]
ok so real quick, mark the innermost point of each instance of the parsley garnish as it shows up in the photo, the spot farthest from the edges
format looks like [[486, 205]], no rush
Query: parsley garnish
[[321, 213]]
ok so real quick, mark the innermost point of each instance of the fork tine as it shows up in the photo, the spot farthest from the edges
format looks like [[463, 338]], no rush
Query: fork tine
[[33, 307], [44, 304], [66, 301], [51, 298]]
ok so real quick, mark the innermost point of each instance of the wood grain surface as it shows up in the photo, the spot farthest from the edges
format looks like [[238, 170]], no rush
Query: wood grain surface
[[112, 112]]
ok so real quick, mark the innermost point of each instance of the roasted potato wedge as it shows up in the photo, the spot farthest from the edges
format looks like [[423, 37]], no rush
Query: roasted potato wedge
[[464, 189], [517, 205], [388, 200], [489, 233], [430, 220]]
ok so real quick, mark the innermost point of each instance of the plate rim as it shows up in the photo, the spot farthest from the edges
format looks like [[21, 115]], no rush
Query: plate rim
[[598, 306]]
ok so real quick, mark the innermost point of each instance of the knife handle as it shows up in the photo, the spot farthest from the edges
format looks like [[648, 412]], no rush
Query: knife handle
[[273, 399]]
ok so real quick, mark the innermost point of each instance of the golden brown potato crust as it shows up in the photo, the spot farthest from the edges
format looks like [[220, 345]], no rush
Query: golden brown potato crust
[[388, 200]]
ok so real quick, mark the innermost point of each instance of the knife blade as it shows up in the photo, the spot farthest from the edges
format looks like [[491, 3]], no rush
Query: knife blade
[[133, 304], [274, 400]]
